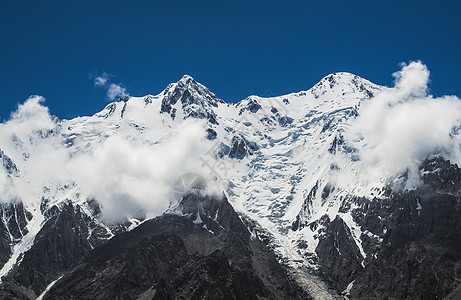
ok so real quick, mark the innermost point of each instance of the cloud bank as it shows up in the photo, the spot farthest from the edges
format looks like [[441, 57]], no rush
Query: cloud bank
[[128, 176], [135, 178]]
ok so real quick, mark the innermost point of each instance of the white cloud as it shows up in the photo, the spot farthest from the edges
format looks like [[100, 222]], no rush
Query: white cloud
[[411, 81], [127, 176], [102, 80], [131, 177], [8, 191], [403, 125], [113, 90], [116, 91], [31, 116], [20, 138]]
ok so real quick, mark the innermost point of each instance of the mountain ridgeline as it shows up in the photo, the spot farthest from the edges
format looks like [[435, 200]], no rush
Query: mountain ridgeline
[[283, 226]]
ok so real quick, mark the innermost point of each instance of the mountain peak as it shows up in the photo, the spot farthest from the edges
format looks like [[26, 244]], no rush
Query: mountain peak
[[195, 99], [189, 84], [345, 82], [186, 78], [341, 77]]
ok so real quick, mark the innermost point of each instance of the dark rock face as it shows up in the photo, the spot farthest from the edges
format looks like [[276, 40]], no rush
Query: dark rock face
[[241, 147], [59, 246], [306, 209], [339, 255], [211, 134], [419, 256], [337, 142], [13, 222], [441, 175], [284, 121], [8, 164], [205, 253], [413, 243], [251, 105]]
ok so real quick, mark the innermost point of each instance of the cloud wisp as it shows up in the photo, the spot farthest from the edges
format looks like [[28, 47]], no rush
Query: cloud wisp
[[102, 79], [114, 90]]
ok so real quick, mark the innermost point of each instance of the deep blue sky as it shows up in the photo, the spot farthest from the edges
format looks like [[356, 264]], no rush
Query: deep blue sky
[[235, 48]]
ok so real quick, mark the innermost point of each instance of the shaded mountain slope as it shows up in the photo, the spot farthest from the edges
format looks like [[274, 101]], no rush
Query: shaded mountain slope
[[201, 251]]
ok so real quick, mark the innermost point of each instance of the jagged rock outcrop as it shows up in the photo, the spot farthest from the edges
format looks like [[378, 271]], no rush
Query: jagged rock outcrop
[[339, 255], [8, 164], [13, 222], [196, 100], [241, 147], [249, 104]]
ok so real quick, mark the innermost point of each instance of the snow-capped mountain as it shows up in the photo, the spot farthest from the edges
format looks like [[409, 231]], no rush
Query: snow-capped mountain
[[291, 166]]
